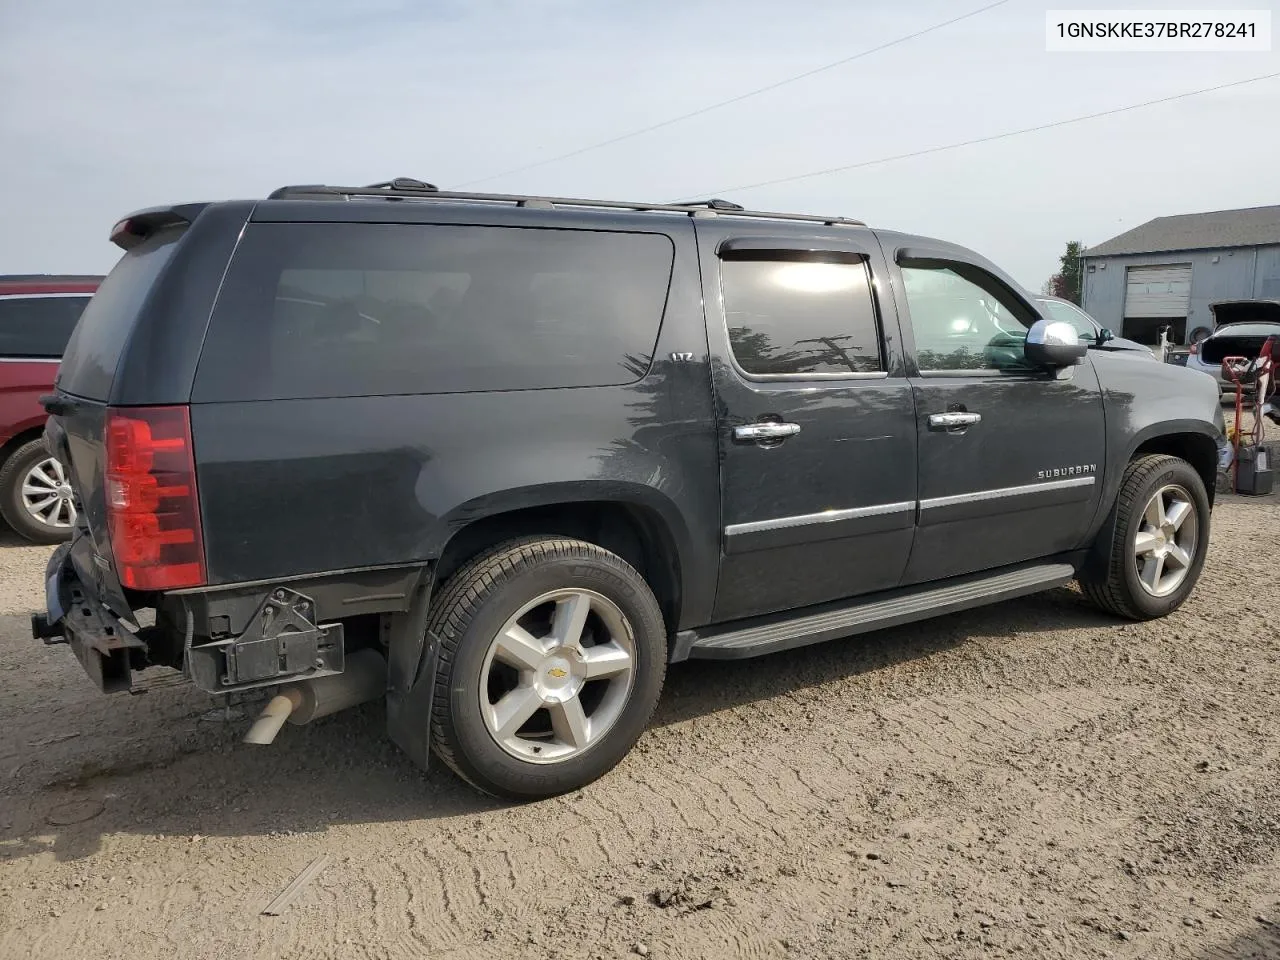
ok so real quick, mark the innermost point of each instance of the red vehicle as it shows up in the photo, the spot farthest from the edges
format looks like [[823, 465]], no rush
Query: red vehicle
[[37, 315]]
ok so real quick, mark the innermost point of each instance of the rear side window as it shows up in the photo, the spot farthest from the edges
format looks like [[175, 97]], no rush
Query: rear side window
[[38, 327], [800, 317], [93, 353], [348, 310]]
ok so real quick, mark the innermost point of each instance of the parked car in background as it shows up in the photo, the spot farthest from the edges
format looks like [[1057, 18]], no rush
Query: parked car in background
[[37, 315], [1090, 330], [1241, 328]]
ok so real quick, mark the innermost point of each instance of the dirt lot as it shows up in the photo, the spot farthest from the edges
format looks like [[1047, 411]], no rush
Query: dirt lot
[[1032, 779]]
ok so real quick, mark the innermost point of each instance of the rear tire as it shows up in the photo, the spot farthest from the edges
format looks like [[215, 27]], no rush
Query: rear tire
[[1160, 535], [564, 701], [32, 467]]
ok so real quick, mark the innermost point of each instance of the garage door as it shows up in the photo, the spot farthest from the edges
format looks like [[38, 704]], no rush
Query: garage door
[[1163, 291]]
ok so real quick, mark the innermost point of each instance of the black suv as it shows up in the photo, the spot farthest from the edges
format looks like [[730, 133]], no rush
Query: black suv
[[501, 459]]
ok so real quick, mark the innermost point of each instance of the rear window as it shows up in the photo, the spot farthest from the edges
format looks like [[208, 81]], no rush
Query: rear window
[[99, 338], [38, 327], [347, 310]]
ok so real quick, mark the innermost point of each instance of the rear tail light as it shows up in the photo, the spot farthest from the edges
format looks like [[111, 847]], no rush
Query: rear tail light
[[1194, 349], [152, 510]]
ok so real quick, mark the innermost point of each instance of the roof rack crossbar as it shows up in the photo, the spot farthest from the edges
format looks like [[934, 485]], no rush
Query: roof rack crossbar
[[402, 189]]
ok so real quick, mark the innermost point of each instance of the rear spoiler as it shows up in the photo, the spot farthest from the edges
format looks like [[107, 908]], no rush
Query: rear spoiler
[[136, 227]]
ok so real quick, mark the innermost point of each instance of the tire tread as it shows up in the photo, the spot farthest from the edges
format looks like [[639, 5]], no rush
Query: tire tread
[[461, 599], [1109, 591]]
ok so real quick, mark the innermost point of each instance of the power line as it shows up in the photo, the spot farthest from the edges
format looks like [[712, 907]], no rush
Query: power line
[[969, 143], [724, 103]]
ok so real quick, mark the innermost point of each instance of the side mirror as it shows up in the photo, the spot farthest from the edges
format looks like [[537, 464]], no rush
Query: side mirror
[[1054, 344], [1105, 336]]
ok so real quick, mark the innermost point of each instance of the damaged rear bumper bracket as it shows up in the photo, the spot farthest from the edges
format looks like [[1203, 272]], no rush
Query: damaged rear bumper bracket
[[281, 642], [107, 648]]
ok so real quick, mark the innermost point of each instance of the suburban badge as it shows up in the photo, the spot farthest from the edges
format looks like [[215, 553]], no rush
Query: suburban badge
[[1067, 471]]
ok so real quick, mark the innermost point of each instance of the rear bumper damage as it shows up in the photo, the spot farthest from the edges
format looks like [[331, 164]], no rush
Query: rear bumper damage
[[107, 647], [291, 635]]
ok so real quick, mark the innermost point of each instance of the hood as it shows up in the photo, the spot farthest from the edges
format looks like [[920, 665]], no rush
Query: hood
[[1129, 348], [1245, 311]]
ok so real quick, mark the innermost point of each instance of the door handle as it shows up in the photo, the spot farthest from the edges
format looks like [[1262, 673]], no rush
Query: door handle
[[766, 431], [954, 419]]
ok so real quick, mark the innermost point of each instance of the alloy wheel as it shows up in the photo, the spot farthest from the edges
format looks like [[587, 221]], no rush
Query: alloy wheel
[[47, 494], [557, 676], [1165, 544]]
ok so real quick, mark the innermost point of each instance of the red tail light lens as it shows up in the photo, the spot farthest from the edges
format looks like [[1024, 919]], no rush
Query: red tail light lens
[[152, 509], [1194, 349]]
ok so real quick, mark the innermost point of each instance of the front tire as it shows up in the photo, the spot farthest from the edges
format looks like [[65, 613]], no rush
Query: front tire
[[552, 654], [35, 495], [1160, 535]]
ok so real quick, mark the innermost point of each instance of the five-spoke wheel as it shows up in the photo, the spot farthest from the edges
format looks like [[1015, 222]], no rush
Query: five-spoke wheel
[[1150, 551], [557, 675], [1165, 543], [551, 658]]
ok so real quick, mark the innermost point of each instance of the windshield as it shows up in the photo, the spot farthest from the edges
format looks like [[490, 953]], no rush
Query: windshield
[[1062, 311]]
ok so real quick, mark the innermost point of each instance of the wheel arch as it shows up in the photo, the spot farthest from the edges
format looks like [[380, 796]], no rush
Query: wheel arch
[[637, 523], [1198, 447], [20, 439], [1190, 440]]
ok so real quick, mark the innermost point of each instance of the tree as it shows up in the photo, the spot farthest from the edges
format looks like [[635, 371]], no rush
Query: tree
[[1066, 282]]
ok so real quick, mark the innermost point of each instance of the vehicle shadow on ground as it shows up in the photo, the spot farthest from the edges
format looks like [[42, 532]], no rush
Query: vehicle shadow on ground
[[701, 687], [10, 539], [1260, 944], [161, 764]]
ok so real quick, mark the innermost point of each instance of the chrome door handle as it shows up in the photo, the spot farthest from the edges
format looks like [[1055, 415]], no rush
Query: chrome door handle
[[949, 421], [766, 431]]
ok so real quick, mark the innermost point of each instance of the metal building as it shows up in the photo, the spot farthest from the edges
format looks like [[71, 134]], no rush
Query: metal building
[[1167, 271]]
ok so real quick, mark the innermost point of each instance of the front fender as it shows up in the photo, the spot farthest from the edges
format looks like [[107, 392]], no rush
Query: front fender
[[1144, 403]]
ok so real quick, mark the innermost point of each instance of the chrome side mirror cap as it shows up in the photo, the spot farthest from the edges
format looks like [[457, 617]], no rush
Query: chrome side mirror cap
[[1054, 344]]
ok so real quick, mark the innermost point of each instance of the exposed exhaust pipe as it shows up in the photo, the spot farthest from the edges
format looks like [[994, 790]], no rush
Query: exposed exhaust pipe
[[364, 678], [274, 715]]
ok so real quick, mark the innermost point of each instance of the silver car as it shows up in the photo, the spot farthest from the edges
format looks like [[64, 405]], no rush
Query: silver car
[[1242, 327]]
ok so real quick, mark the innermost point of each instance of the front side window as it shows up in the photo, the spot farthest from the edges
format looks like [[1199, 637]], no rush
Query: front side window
[[962, 321], [800, 317]]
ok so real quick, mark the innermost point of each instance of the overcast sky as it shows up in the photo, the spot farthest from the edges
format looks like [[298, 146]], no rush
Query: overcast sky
[[108, 107]]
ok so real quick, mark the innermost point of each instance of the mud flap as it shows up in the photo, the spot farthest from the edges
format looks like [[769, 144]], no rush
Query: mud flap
[[411, 658], [409, 715], [1097, 559]]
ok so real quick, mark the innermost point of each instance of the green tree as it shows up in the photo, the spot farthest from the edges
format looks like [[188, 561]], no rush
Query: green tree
[[1066, 282]]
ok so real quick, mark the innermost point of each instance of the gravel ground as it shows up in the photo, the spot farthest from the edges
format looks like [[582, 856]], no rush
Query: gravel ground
[[1032, 778]]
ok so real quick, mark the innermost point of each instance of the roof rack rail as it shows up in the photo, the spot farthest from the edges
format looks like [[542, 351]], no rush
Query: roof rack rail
[[405, 184], [408, 188], [715, 203]]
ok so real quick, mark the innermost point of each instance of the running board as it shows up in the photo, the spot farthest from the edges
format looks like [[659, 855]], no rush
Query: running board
[[761, 635]]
